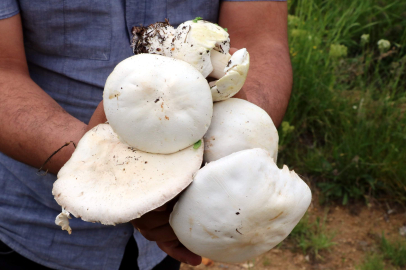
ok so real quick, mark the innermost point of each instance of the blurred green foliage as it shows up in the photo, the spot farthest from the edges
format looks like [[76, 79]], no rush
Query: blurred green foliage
[[372, 262], [312, 237], [395, 252], [345, 127]]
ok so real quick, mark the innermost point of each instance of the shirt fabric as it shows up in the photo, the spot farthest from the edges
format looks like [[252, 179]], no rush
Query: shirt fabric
[[71, 48]]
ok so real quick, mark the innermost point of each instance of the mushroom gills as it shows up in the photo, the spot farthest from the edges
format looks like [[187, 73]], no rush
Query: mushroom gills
[[108, 181]]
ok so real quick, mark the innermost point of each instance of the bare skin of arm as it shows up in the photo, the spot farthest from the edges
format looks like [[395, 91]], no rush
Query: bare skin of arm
[[261, 27], [32, 124]]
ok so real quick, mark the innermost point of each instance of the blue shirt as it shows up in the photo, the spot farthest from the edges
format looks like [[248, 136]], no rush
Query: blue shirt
[[71, 48]]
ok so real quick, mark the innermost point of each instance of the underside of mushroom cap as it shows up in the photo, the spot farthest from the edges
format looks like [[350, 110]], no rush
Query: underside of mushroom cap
[[236, 73], [157, 104], [110, 182], [239, 207], [237, 125]]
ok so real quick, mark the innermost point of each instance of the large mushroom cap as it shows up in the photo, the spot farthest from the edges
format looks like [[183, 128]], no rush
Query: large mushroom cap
[[239, 207], [157, 104], [238, 125], [109, 182]]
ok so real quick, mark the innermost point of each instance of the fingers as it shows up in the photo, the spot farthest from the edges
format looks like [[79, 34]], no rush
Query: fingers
[[162, 234], [160, 209], [151, 220], [154, 226], [177, 251]]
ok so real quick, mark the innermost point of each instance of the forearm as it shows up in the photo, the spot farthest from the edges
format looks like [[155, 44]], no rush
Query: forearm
[[32, 124], [261, 27], [269, 80]]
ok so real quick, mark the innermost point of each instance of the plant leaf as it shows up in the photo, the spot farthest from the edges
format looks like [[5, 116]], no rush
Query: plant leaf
[[197, 144]]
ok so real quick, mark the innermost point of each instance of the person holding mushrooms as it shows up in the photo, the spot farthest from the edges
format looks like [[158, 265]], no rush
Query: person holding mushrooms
[[54, 60]]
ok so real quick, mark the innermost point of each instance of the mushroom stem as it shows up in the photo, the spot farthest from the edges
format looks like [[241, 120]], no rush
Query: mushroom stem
[[219, 61]]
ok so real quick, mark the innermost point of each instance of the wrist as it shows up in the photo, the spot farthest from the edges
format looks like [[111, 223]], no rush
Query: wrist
[[63, 147]]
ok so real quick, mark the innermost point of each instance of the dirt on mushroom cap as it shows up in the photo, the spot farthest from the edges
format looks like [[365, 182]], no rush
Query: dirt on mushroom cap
[[157, 104], [239, 206], [109, 182]]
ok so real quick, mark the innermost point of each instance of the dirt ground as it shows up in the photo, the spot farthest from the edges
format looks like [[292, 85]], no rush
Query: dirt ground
[[356, 228]]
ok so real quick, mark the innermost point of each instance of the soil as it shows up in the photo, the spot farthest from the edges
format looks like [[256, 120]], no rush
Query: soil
[[357, 229]]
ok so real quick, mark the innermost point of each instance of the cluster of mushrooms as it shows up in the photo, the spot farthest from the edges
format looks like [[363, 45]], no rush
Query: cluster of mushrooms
[[162, 126]]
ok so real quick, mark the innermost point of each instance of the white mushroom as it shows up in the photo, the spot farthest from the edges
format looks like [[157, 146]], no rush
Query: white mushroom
[[157, 104], [110, 182], [63, 220], [202, 44], [192, 42], [239, 207], [236, 71], [195, 42], [238, 125]]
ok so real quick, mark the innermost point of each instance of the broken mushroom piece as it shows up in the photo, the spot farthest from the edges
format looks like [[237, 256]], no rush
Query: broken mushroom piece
[[157, 104], [202, 44], [192, 42], [239, 207], [63, 220], [235, 73], [196, 42], [238, 125], [109, 182]]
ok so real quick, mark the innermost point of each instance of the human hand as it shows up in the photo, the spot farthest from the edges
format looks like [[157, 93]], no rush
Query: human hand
[[154, 226], [98, 117]]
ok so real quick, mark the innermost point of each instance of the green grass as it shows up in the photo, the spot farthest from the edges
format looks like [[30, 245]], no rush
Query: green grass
[[345, 127], [372, 262], [394, 252], [312, 237], [390, 255], [266, 262]]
